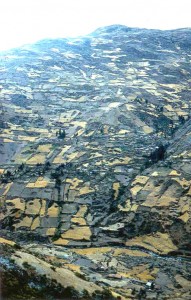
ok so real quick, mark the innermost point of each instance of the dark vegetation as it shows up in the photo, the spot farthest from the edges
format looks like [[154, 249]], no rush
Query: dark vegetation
[[17, 283], [158, 154], [114, 202], [61, 133]]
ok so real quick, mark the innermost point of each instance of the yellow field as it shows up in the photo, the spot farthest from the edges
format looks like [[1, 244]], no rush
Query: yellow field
[[36, 159], [40, 183], [44, 148], [116, 186], [158, 242], [121, 161], [59, 158], [78, 233]]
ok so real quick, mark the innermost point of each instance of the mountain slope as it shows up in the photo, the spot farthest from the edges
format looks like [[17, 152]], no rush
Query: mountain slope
[[95, 145]]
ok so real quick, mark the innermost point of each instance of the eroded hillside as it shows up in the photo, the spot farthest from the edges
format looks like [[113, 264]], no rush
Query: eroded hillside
[[95, 152]]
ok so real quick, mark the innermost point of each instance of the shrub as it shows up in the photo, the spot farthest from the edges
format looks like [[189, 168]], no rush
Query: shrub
[[26, 265]]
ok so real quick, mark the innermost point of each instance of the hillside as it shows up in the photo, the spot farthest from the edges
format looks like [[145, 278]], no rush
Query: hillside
[[95, 144]]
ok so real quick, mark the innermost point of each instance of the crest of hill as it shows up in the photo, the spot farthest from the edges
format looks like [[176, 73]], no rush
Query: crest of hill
[[116, 31]]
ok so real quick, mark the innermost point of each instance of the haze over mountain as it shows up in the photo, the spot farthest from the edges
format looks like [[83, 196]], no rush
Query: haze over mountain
[[95, 164], [23, 22]]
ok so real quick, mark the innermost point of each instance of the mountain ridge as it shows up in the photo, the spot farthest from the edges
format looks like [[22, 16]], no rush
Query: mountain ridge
[[99, 31]]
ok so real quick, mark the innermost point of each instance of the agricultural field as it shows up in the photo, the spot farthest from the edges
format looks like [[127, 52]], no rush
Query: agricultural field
[[95, 164]]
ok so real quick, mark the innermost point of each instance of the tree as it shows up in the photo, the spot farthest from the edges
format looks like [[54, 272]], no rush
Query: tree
[[181, 119], [9, 174], [61, 134], [47, 166], [58, 182], [158, 153]]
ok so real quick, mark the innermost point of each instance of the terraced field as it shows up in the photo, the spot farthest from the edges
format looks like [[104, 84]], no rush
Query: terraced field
[[95, 146]]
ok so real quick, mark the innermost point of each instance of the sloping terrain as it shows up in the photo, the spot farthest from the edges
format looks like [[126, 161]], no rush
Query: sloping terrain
[[95, 147]]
